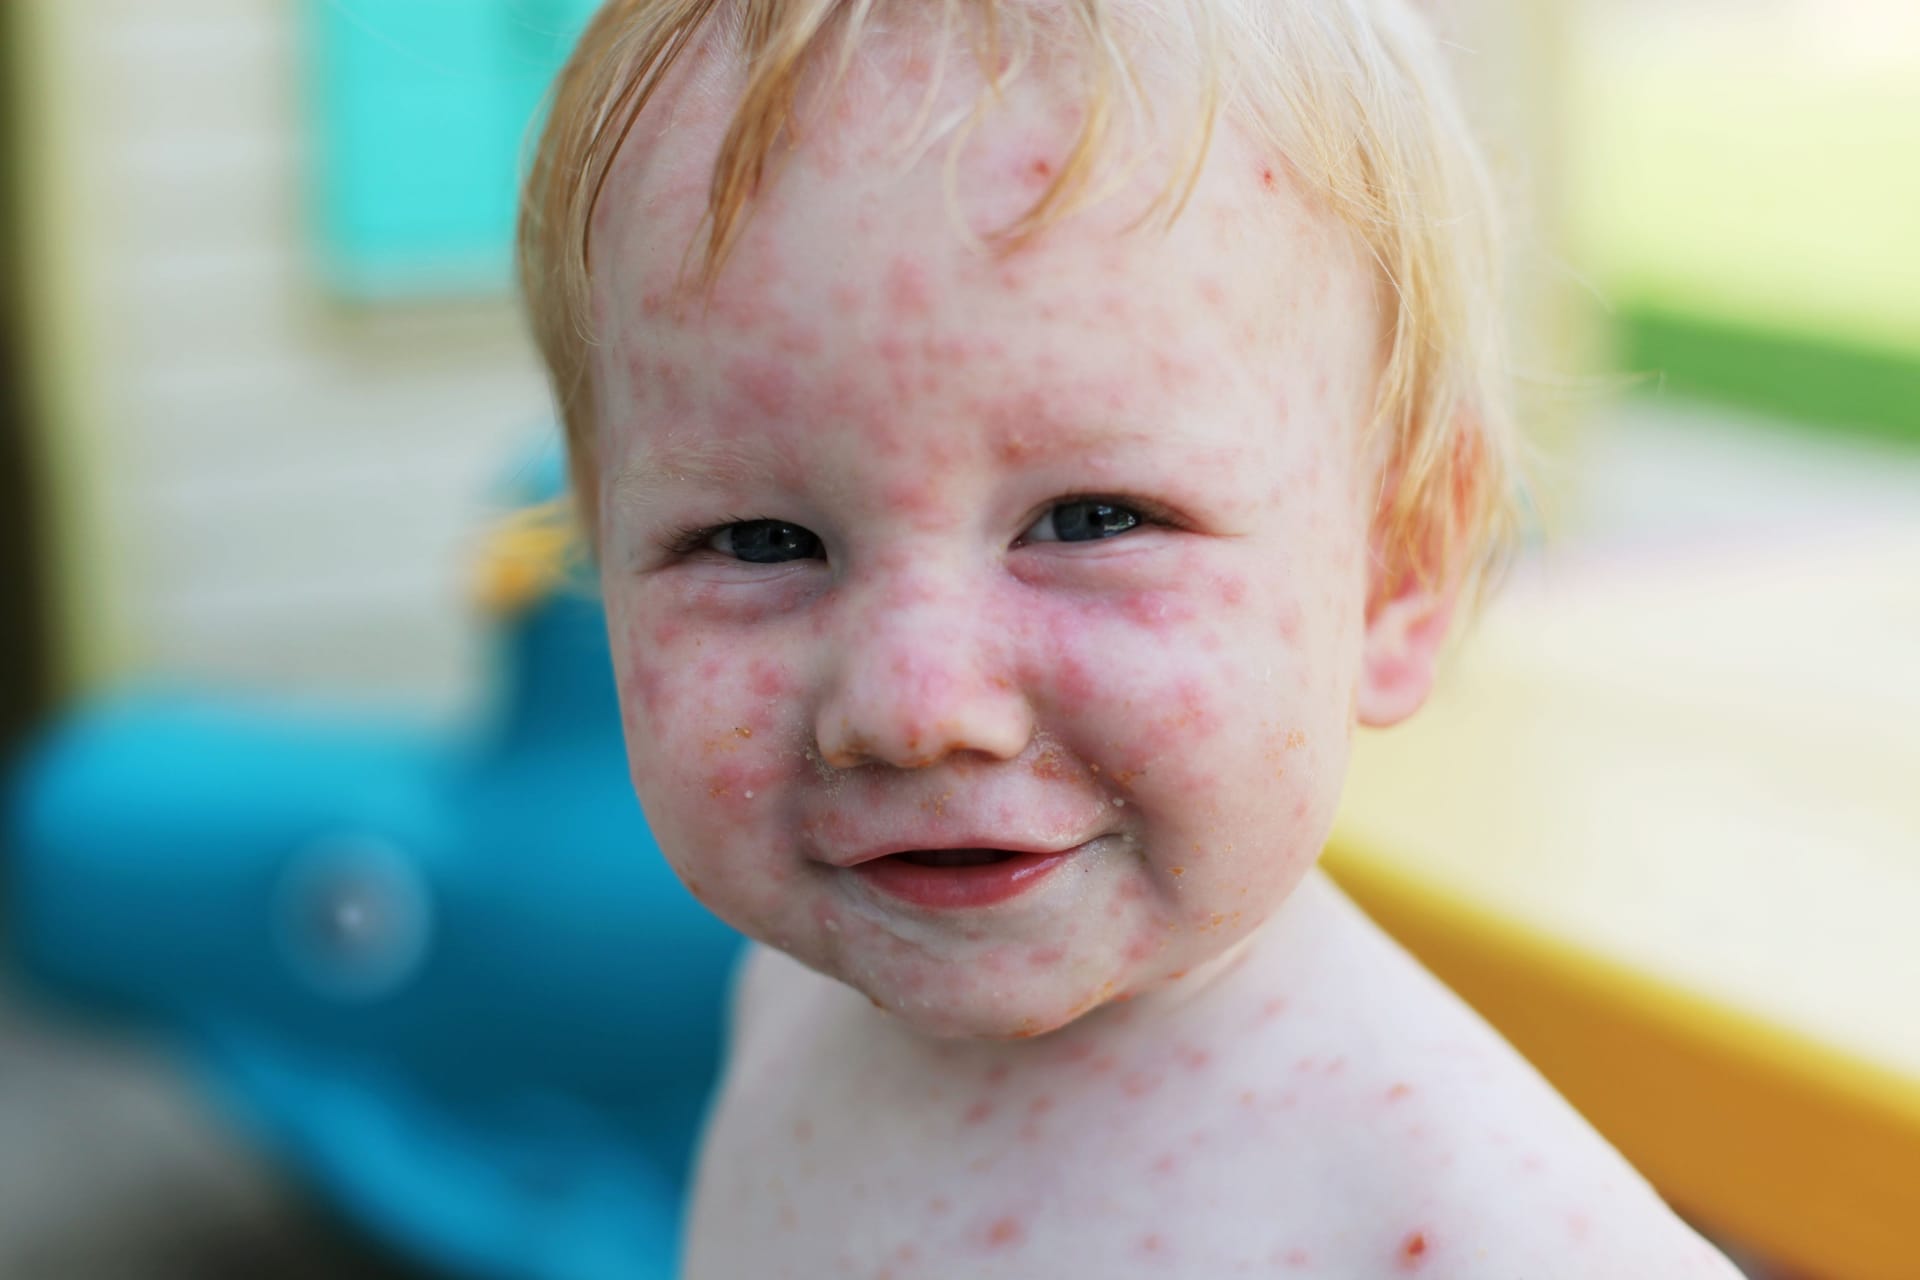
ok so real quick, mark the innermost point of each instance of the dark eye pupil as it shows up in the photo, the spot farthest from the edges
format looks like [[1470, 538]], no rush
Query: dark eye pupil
[[1086, 521], [773, 542]]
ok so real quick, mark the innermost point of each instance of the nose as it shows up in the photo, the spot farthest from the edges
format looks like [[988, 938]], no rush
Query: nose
[[920, 676]]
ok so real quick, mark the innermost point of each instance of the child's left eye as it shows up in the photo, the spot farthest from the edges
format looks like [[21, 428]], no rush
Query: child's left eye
[[1083, 520]]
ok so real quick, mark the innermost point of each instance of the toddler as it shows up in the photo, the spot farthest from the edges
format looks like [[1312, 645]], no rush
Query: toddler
[[1021, 441]]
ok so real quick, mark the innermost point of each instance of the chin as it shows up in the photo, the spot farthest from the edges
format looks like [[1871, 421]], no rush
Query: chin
[[980, 1013]]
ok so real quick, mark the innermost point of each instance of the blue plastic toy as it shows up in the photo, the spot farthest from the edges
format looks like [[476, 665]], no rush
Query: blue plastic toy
[[449, 976]]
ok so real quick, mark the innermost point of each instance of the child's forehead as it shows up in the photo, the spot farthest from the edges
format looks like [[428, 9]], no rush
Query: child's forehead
[[905, 145], [865, 282]]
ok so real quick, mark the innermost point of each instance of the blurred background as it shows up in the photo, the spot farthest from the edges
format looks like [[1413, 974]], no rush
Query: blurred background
[[260, 373]]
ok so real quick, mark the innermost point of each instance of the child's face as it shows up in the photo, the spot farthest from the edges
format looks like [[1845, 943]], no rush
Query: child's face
[[907, 547]]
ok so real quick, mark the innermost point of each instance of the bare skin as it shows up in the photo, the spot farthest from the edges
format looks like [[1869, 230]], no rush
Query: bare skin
[[912, 550]]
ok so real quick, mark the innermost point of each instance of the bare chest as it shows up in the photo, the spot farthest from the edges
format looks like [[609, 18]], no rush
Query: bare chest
[[1162, 1163]]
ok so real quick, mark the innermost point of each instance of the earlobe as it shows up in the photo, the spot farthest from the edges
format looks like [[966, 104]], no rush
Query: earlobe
[[1406, 628]]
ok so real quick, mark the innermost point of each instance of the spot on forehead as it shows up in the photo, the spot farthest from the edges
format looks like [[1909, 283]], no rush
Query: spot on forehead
[[908, 292]]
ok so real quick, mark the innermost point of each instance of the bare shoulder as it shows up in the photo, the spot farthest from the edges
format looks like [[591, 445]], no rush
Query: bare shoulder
[[1483, 1170]]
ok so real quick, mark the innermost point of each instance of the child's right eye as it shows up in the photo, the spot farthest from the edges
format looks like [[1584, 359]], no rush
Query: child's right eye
[[764, 542]]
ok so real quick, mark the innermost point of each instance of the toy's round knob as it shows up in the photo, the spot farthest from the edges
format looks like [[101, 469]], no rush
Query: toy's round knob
[[354, 916]]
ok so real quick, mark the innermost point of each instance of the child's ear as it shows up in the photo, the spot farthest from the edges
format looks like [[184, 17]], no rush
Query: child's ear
[[1407, 622]]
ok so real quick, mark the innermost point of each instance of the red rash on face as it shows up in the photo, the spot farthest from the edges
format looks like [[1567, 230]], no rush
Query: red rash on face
[[938, 678], [909, 296], [767, 679], [766, 384], [799, 343]]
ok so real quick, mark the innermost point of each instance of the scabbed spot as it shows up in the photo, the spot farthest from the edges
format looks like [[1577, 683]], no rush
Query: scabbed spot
[[1413, 1251]]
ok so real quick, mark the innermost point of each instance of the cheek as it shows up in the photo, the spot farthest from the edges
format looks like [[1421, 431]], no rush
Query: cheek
[[709, 730], [1216, 711]]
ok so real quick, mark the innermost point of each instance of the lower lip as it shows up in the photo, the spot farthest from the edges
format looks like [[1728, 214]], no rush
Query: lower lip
[[957, 888]]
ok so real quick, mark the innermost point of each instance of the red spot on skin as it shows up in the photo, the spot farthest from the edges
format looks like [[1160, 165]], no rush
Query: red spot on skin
[[767, 680], [1578, 1225], [1195, 1059], [1268, 180], [908, 293], [1157, 610], [997, 1074], [1273, 1009], [1005, 1233], [1398, 1092], [1153, 1244], [803, 1131], [938, 1206], [1166, 1166], [1413, 1251], [798, 342], [1138, 1084], [1297, 1258], [977, 1114]]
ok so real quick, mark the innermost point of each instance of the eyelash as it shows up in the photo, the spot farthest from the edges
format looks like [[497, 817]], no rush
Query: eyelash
[[691, 538]]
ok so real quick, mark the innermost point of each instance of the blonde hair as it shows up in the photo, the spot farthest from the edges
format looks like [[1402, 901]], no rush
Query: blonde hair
[[1351, 96]]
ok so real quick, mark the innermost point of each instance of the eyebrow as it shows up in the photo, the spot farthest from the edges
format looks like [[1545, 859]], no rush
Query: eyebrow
[[642, 480], [689, 460]]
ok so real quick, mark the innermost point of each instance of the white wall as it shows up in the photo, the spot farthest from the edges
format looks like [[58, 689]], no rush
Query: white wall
[[253, 483]]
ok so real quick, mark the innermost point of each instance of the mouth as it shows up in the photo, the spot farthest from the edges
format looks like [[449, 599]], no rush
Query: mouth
[[961, 879]]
